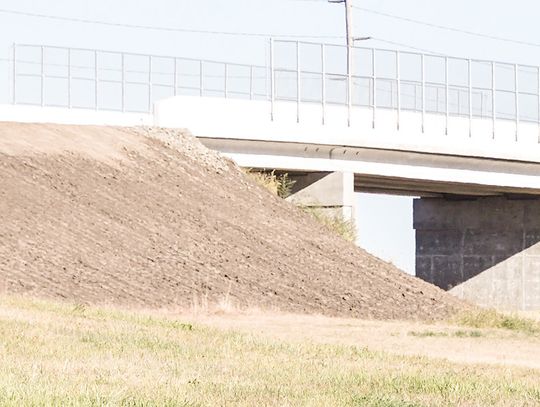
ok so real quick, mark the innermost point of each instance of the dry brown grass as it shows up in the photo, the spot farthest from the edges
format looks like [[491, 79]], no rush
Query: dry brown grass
[[534, 315], [336, 223], [448, 341], [278, 184], [61, 354]]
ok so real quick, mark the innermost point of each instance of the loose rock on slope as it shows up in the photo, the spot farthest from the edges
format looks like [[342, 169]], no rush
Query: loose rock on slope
[[149, 217]]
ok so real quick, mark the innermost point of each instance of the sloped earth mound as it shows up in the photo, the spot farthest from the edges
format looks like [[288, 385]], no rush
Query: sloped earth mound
[[150, 218]]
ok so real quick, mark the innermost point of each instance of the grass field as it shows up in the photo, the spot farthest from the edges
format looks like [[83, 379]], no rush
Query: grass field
[[61, 354]]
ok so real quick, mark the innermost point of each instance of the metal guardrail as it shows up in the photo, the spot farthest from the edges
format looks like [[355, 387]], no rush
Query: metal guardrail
[[298, 72], [455, 90], [123, 81]]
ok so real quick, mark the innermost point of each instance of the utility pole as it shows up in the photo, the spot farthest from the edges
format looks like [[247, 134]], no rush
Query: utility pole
[[350, 39], [350, 43]]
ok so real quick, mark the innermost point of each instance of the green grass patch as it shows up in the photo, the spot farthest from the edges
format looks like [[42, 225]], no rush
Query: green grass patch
[[428, 334], [483, 319], [61, 354], [467, 334], [383, 401], [440, 334]]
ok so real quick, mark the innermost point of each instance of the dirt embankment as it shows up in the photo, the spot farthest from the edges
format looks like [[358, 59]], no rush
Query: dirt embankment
[[151, 218]]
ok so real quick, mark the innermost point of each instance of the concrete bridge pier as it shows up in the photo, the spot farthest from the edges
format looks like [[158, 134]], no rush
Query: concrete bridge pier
[[485, 250], [330, 192]]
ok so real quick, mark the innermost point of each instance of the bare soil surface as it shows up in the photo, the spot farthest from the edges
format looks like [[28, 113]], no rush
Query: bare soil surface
[[150, 218]]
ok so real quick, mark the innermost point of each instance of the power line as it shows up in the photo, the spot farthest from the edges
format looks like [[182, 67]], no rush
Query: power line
[[167, 29], [262, 35], [438, 26], [401, 44], [503, 65], [447, 28]]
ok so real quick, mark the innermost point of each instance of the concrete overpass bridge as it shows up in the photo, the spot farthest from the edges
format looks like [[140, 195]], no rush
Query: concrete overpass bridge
[[461, 135]]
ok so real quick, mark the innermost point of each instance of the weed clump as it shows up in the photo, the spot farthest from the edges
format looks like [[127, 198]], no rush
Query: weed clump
[[436, 334], [497, 320], [281, 185], [337, 222], [278, 184]]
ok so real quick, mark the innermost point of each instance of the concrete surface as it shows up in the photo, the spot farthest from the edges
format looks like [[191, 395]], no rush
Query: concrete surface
[[59, 115], [384, 159], [209, 117], [332, 193], [388, 171], [484, 250]]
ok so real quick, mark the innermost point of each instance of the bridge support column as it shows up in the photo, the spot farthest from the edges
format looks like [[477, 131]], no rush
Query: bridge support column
[[330, 192], [484, 250]]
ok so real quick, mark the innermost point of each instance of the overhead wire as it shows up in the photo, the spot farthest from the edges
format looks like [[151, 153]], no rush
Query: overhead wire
[[447, 28], [266, 35], [166, 29], [401, 44], [438, 26]]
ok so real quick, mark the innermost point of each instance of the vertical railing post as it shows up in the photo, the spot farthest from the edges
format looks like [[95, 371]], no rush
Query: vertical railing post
[[150, 104], [516, 94], [266, 80], [298, 82], [398, 85], [374, 78], [349, 85], [391, 94], [69, 78], [96, 77], [42, 76], [225, 85], [423, 92], [469, 70], [493, 106], [175, 80], [201, 78], [482, 104], [415, 97], [446, 103], [323, 84], [272, 80], [538, 100], [369, 92], [251, 82], [123, 82], [14, 96]]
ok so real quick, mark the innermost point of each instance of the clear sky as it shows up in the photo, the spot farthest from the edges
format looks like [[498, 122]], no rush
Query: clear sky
[[385, 222]]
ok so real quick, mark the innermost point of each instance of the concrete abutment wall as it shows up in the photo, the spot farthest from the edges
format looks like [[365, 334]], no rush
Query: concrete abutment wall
[[484, 250], [329, 192]]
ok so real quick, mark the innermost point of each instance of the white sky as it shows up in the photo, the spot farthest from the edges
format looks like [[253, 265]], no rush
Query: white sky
[[385, 222]]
